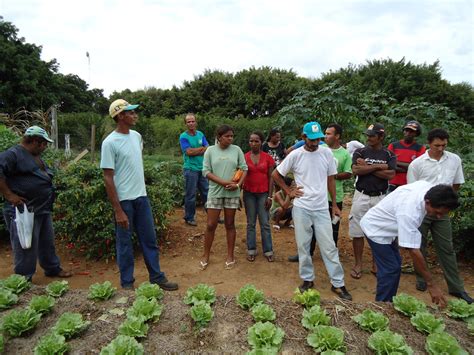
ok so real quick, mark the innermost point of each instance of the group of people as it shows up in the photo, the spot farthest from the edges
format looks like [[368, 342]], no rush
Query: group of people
[[401, 193]]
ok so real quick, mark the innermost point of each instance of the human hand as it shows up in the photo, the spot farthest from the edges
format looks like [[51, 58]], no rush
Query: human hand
[[268, 203], [361, 161], [121, 219], [335, 211], [437, 296], [296, 192], [232, 186], [15, 200]]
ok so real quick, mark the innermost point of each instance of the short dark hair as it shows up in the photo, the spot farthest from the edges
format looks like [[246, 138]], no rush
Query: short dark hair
[[437, 133], [273, 132], [443, 196], [223, 129], [32, 139], [259, 134], [337, 127]]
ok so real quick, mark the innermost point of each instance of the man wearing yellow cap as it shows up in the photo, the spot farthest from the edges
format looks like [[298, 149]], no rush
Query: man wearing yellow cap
[[122, 163]]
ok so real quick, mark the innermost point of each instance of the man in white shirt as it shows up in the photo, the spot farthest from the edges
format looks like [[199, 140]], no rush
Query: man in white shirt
[[439, 166], [394, 222], [313, 168]]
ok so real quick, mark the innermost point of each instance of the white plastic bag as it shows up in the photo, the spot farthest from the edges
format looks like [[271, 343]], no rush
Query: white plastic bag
[[24, 226]]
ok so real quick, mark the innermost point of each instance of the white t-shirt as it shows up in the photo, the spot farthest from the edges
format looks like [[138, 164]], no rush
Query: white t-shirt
[[310, 170], [353, 145], [400, 214], [448, 170], [123, 154]]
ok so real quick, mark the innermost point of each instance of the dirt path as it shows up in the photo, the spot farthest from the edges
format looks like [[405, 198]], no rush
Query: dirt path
[[181, 251]]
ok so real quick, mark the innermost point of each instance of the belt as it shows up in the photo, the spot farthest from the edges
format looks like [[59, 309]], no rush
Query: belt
[[372, 193]]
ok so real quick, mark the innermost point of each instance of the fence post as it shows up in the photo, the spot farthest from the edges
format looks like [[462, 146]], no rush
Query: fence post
[[92, 142], [54, 126]]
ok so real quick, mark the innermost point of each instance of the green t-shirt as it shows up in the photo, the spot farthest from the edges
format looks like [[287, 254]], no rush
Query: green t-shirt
[[186, 141], [223, 163], [344, 165]]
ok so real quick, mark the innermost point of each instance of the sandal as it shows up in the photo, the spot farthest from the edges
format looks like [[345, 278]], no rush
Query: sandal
[[276, 227], [251, 258], [203, 265], [356, 274], [229, 265], [270, 258]]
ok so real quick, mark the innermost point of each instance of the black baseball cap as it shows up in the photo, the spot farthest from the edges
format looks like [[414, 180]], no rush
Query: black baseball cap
[[375, 129]]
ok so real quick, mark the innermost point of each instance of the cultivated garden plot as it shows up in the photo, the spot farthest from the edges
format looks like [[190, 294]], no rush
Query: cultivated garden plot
[[198, 321]]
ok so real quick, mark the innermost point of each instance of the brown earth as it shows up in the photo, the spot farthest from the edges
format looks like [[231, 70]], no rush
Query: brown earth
[[180, 254]]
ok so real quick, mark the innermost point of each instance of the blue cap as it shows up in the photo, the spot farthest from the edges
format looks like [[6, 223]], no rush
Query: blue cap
[[312, 130]]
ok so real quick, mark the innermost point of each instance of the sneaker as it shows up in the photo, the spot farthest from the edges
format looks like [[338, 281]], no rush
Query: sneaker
[[306, 285], [293, 258], [167, 286], [342, 293], [462, 295], [421, 285], [192, 223]]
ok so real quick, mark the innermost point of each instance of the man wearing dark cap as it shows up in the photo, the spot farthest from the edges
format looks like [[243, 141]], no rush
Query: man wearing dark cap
[[25, 179], [124, 177], [374, 166], [406, 150]]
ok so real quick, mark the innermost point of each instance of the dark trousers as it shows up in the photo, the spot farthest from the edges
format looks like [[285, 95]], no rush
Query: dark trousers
[[193, 181], [389, 267], [335, 227]]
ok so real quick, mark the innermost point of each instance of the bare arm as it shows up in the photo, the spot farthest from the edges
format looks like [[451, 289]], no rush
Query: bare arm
[[367, 169], [120, 216], [195, 151], [332, 193], [268, 202], [343, 176], [9, 195], [456, 187], [402, 167], [218, 180], [385, 174]]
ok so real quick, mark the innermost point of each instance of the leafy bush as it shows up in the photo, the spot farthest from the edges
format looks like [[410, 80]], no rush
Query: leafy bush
[[249, 296], [90, 229], [148, 308], [18, 322], [200, 293], [8, 138], [16, 283], [70, 324], [371, 321], [149, 290], [265, 337], [262, 313], [408, 305], [123, 345], [7, 298], [201, 313], [458, 308], [308, 298], [51, 344], [324, 338], [314, 317], [385, 342], [134, 327], [41, 304], [1, 343], [57, 288], [470, 326], [101, 291], [443, 343], [427, 323]]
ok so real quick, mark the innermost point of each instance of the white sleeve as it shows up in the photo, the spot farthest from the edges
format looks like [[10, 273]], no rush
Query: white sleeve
[[459, 176], [107, 157], [412, 173], [408, 234], [332, 168], [285, 166]]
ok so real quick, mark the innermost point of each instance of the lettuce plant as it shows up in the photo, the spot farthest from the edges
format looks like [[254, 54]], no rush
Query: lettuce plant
[[371, 321], [265, 337], [51, 344], [308, 298], [15, 283], [201, 313], [18, 322], [324, 338], [148, 308], [427, 323], [41, 304], [70, 324], [200, 293], [263, 312], [150, 290], [458, 308], [57, 288], [332, 352], [249, 296], [443, 343], [385, 342], [314, 317], [408, 305], [123, 345], [101, 292], [7, 298], [134, 327]]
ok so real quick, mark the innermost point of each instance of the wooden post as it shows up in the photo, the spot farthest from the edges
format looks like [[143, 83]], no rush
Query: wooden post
[[92, 142], [54, 126]]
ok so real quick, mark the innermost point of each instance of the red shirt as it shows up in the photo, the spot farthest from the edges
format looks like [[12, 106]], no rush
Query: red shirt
[[257, 177], [406, 154]]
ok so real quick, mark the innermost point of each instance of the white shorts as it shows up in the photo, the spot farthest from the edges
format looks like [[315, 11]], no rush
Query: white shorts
[[361, 203]]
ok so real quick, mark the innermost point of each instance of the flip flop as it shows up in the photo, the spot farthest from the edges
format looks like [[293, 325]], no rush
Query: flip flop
[[276, 227], [356, 274], [251, 258], [229, 265], [203, 265], [270, 258]]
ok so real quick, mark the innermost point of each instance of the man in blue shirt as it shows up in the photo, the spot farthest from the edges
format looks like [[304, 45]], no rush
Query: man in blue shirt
[[193, 145]]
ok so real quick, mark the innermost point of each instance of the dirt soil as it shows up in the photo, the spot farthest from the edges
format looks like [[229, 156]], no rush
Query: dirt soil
[[181, 249]]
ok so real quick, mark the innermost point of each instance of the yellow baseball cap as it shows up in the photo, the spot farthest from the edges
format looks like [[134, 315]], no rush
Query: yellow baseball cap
[[120, 105]]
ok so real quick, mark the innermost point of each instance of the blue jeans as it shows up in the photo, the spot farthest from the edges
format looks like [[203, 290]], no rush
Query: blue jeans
[[193, 180], [255, 206], [42, 246], [389, 268], [304, 220], [140, 220]]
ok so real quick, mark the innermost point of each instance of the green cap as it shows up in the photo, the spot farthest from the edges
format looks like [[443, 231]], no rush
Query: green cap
[[38, 132]]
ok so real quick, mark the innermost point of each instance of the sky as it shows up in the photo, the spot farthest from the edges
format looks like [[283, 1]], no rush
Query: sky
[[160, 43]]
